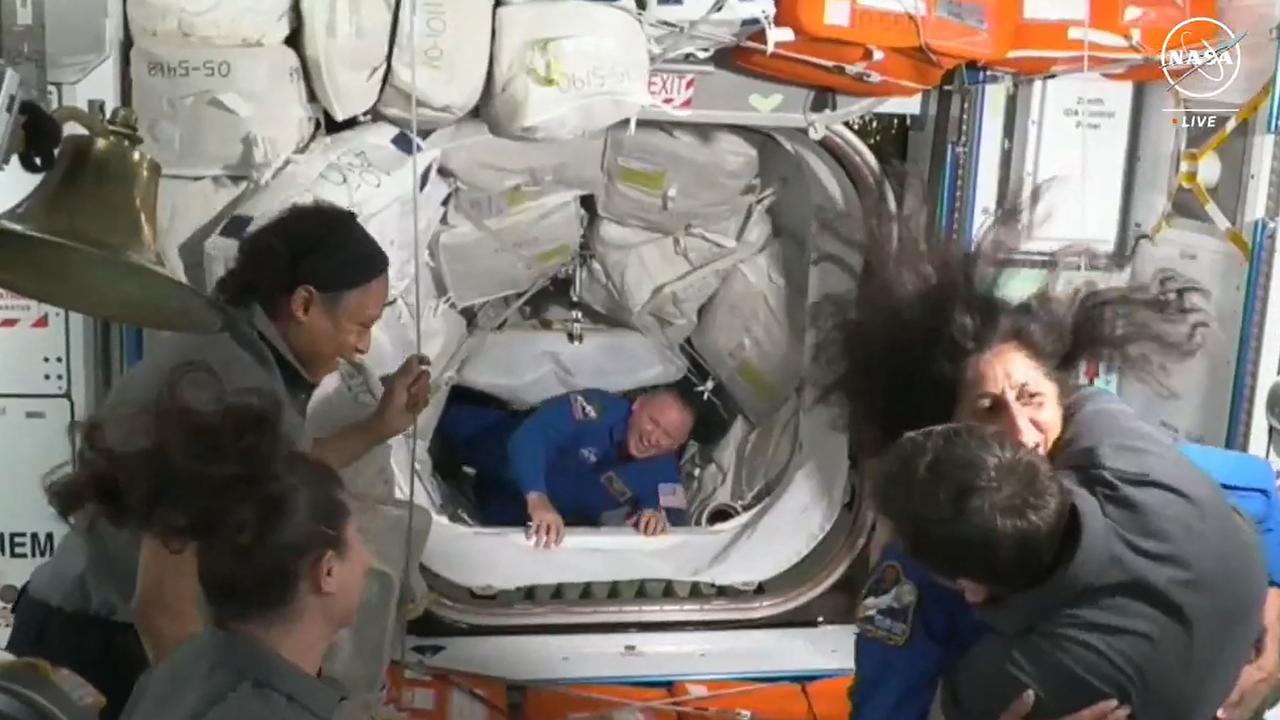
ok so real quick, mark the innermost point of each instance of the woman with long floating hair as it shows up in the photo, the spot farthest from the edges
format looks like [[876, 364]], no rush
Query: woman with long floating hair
[[992, 529]]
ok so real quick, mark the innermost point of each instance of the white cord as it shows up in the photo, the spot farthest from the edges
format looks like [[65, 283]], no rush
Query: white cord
[[409, 564], [1084, 115]]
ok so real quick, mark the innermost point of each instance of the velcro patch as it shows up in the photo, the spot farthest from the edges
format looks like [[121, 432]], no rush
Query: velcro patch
[[583, 410], [671, 495], [616, 487], [888, 606]]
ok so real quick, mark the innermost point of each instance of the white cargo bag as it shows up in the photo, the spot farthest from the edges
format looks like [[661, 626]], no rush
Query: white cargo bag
[[666, 178], [750, 332], [78, 36], [187, 213], [525, 365], [658, 282], [368, 170], [483, 162], [220, 111], [393, 228], [467, 206], [446, 77], [564, 69], [345, 45], [507, 255], [697, 27], [211, 22]]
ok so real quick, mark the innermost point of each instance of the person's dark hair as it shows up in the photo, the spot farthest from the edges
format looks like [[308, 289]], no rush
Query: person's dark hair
[[253, 567], [213, 468], [317, 245], [923, 311], [969, 502]]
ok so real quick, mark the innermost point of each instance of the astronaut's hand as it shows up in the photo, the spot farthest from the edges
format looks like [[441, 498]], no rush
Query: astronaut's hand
[[1259, 679], [546, 527], [1105, 710], [404, 395], [649, 522]]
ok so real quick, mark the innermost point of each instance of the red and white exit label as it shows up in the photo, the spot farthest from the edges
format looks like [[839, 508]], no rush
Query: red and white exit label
[[674, 90]]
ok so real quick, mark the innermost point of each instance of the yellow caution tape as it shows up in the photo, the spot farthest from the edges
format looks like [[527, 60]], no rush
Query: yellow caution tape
[[1188, 176]]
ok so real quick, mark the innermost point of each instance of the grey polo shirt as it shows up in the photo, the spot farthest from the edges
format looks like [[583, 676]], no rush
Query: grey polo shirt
[[95, 567], [1159, 605], [221, 675]]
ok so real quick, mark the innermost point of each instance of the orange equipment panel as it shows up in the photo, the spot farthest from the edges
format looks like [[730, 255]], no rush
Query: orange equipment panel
[[1113, 34], [557, 704], [1151, 21], [978, 30], [773, 701], [444, 697], [829, 698], [845, 68]]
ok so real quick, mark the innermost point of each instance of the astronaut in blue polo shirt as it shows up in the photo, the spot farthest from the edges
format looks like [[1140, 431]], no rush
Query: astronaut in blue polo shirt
[[587, 458], [911, 626]]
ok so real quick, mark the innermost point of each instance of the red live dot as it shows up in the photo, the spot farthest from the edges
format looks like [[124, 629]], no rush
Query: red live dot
[[1174, 121]]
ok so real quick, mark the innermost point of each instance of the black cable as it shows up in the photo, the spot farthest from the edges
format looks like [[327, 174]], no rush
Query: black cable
[[42, 135]]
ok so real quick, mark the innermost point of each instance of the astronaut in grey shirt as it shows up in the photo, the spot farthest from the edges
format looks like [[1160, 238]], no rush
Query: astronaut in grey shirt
[[1125, 574], [305, 291], [280, 561], [282, 576]]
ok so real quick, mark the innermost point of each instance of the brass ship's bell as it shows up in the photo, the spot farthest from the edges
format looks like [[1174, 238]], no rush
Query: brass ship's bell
[[85, 238]]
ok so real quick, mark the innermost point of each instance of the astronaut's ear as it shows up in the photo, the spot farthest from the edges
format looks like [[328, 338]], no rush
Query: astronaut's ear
[[324, 574], [975, 593]]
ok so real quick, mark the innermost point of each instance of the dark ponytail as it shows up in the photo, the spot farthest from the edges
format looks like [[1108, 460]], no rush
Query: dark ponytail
[[262, 274], [321, 246], [213, 468]]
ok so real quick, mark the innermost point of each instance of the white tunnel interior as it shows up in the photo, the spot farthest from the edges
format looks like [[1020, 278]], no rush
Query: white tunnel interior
[[700, 252]]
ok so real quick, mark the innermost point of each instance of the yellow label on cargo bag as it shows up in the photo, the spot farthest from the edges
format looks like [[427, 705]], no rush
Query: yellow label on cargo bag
[[646, 179]]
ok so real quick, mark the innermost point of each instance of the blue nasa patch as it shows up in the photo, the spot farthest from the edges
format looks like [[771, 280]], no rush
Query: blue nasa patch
[[887, 608]]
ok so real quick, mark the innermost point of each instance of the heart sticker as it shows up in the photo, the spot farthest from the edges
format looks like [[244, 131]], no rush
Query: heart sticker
[[765, 103]]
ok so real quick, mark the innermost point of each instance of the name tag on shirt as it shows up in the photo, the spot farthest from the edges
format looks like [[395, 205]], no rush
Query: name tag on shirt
[[616, 487]]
